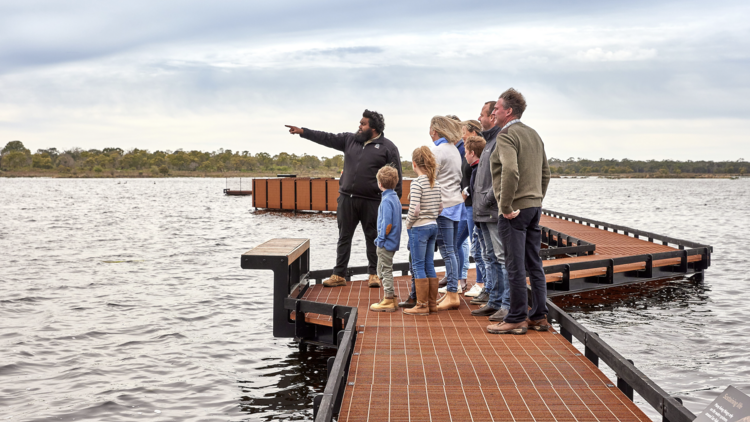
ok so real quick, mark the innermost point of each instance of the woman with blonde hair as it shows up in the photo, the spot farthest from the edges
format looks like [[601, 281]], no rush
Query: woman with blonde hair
[[421, 225], [445, 133]]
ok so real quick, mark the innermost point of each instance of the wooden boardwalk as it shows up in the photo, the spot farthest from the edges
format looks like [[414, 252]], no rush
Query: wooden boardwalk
[[446, 367]]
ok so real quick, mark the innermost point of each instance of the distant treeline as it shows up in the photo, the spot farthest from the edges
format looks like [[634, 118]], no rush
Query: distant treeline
[[15, 157], [582, 166]]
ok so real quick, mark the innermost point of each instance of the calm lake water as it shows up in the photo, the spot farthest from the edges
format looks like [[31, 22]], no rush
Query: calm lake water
[[123, 300]]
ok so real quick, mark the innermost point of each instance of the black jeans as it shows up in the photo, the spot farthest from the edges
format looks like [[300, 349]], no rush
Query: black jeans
[[350, 212], [522, 239]]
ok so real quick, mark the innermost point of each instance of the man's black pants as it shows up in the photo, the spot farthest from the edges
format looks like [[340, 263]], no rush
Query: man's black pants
[[522, 239], [350, 212]]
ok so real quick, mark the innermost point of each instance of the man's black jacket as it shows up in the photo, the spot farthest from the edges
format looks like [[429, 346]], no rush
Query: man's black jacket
[[361, 162]]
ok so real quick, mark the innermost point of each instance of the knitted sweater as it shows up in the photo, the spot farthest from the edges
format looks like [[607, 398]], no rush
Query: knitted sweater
[[424, 203], [520, 173]]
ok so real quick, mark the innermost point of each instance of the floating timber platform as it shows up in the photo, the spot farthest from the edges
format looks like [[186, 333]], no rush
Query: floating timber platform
[[444, 367], [304, 193]]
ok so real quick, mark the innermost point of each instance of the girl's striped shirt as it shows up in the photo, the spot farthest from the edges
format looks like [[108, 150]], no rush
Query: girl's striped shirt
[[424, 203]]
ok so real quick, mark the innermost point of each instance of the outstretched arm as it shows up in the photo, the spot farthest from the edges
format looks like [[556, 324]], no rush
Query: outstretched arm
[[331, 140]]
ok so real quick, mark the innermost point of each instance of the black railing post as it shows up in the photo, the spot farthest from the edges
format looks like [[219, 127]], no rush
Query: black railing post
[[316, 405], [590, 353], [567, 335], [624, 386]]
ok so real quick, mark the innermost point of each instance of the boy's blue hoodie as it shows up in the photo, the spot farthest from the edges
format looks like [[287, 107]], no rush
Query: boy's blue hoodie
[[389, 214]]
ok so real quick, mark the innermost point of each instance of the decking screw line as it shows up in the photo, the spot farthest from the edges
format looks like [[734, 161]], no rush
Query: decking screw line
[[610, 385], [351, 383]]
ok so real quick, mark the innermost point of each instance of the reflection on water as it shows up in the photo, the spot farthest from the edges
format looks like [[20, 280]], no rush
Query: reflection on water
[[300, 377], [122, 302], [678, 292]]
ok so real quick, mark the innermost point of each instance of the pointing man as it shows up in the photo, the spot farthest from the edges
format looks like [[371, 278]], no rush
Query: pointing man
[[365, 152]]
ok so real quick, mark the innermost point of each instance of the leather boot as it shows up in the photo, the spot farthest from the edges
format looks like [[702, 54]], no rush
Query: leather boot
[[422, 307], [433, 294], [385, 305], [451, 301]]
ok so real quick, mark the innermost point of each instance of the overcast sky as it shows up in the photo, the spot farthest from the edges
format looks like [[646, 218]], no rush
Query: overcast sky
[[636, 79]]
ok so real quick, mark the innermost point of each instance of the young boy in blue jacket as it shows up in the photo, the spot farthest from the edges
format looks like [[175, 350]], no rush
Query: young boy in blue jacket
[[389, 235]]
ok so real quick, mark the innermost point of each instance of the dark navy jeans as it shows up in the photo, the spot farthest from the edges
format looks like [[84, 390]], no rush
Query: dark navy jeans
[[522, 239]]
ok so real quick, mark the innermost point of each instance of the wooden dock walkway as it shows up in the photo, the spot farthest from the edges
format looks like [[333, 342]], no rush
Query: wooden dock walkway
[[446, 367]]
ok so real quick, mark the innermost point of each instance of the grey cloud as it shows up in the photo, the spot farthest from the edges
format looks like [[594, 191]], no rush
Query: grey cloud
[[345, 51]]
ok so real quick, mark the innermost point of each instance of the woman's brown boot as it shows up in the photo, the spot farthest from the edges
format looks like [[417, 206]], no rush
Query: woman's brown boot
[[451, 301], [434, 286], [422, 307]]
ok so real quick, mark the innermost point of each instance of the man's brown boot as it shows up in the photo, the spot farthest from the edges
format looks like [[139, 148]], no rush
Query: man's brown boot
[[423, 296], [374, 281], [385, 305], [434, 286], [538, 324], [451, 301], [334, 281], [508, 328]]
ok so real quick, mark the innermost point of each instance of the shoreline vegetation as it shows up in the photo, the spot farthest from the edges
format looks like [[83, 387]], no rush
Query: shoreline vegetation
[[17, 161]]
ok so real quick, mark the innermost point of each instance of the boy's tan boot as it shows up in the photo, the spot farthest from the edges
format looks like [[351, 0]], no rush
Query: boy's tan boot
[[434, 286], [388, 304], [451, 301], [334, 281], [422, 307]]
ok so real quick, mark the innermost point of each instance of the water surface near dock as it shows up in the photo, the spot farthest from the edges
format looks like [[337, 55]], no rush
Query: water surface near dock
[[121, 301]]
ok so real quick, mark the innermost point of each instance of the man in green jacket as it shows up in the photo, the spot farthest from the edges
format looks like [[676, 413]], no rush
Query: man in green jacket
[[520, 176]]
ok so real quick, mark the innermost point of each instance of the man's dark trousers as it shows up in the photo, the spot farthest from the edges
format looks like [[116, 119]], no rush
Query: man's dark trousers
[[522, 238], [350, 212]]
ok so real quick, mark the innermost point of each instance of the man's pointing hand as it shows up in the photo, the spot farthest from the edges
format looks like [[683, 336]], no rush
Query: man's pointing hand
[[294, 130]]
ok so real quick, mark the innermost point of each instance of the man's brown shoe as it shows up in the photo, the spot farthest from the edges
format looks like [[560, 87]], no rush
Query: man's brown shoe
[[374, 281], [508, 328], [539, 324], [334, 281]]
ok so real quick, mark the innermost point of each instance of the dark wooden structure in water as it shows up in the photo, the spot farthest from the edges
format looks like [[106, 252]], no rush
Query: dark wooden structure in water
[[391, 366]]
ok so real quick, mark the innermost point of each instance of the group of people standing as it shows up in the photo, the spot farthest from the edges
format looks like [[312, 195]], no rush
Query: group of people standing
[[480, 183]]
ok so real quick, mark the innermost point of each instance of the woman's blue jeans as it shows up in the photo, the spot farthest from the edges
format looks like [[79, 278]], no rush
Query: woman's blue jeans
[[447, 244], [422, 246]]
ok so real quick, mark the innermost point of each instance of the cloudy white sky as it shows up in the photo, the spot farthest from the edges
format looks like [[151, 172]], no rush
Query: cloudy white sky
[[636, 79]]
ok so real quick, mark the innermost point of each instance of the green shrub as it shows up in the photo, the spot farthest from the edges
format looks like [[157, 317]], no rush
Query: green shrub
[[98, 169]]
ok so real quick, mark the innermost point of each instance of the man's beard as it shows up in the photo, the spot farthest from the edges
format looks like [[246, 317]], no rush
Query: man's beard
[[363, 136]]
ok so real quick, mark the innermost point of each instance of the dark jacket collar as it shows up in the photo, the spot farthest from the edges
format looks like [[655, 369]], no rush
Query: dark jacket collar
[[491, 133]]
